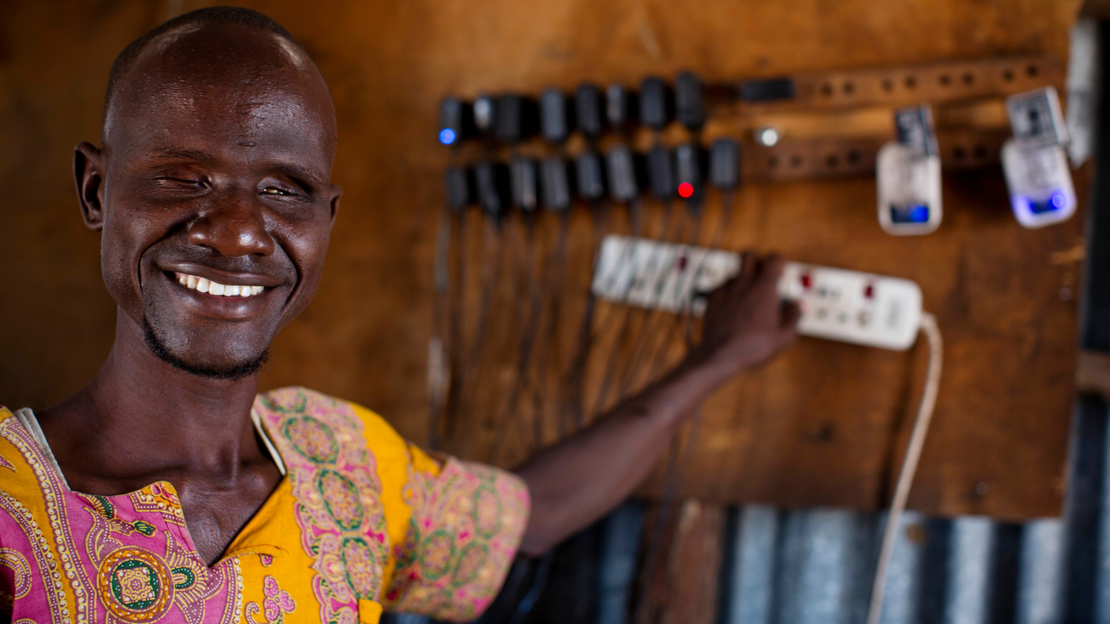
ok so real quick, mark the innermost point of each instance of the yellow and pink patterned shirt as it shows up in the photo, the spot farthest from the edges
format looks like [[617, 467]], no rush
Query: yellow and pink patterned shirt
[[361, 521]]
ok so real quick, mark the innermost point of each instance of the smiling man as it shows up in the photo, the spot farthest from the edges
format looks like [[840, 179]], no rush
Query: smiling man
[[168, 489]]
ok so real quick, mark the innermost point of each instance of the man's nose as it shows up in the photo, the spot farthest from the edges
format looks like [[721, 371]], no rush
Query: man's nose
[[233, 225]]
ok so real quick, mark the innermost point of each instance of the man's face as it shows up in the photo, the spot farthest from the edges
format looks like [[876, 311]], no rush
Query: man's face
[[216, 170]]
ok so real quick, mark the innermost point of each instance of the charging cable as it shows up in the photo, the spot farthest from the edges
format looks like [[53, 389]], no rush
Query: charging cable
[[909, 464]]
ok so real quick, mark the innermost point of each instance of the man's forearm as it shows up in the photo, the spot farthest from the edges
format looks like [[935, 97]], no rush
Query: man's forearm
[[582, 477]]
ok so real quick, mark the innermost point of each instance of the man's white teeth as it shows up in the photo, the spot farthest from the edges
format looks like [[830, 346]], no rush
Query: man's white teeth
[[192, 282]]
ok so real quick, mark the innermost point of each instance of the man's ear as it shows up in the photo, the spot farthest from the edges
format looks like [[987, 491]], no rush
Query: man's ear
[[334, 193], [88, 173]]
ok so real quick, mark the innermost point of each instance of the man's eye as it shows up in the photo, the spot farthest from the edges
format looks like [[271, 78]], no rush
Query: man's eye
[[273, 190], [180, 181]]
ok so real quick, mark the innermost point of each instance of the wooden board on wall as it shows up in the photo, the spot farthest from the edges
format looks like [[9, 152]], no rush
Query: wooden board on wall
[[822, 425]]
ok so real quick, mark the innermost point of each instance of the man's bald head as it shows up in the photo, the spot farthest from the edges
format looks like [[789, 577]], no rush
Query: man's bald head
[[179, 35]]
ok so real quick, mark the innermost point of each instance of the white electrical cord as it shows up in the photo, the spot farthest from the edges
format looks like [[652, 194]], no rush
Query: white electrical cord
[[909, 464]]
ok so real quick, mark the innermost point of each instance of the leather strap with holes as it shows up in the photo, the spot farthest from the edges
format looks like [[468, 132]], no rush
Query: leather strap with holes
[[800, 160], [905, 85]]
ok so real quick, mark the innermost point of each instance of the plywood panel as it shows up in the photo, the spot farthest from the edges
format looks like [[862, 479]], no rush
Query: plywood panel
[[819, 426]]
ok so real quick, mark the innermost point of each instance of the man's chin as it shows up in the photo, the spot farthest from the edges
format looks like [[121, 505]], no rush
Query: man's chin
[[231, 372]]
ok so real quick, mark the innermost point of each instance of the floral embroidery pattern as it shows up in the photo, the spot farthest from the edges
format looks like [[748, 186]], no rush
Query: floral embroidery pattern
[[21, 572], [55, 574], [341, 498], [43, 555], [311, 438], [134, 585], [115, 577], [466, 525], [338, 492], [275, 605], [137, 585], [162, 499]]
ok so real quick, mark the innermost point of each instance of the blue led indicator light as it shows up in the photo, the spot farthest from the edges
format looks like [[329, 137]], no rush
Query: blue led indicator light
[[447, 136], [1053, 203], [918, 213]]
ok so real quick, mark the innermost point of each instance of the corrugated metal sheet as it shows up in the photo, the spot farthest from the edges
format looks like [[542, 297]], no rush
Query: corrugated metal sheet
[[814, 566]]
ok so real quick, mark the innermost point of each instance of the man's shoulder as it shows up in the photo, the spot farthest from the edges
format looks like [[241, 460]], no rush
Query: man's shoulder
[[301, 400], [287, 407]]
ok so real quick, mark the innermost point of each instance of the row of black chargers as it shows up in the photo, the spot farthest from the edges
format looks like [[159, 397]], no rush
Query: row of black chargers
[[554, 183], [513, 118]]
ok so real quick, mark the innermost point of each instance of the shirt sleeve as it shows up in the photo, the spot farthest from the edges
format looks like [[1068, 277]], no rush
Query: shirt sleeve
[[466, 523]]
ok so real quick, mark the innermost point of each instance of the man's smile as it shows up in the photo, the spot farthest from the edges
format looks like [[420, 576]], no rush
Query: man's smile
[[193, 282], [217, 294]]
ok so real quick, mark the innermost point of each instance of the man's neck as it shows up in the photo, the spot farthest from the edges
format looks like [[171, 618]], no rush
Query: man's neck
[[141, 416]]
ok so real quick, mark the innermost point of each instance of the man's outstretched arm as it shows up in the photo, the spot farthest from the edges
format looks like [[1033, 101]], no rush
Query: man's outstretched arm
[[584, 476]]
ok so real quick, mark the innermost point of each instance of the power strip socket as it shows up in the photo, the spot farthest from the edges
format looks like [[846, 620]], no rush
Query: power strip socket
[[849, 306], [650, 274], [837, 304]]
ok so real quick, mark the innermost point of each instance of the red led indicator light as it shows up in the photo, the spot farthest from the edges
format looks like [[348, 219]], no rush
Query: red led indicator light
[[806, 281], [686, 190], [869, 292]]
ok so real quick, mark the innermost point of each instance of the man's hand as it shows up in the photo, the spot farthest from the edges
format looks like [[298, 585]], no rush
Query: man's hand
[[746, 323]]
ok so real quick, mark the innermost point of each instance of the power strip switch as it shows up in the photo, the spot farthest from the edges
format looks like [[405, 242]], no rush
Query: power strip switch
[[837, 304]]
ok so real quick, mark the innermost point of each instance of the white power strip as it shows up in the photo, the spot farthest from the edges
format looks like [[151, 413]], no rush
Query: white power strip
[[837, 304]]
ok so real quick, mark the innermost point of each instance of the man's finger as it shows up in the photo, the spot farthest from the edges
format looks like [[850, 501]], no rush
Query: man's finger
[[749, 265], [749, 269], [791, 313], [771, 269], [720, 294]]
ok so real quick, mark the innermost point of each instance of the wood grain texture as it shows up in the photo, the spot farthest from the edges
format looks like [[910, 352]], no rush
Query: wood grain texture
[[820, 426], [685, 582]]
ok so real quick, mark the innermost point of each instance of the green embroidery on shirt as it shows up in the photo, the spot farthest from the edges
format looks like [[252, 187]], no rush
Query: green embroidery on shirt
[[145, 528]]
